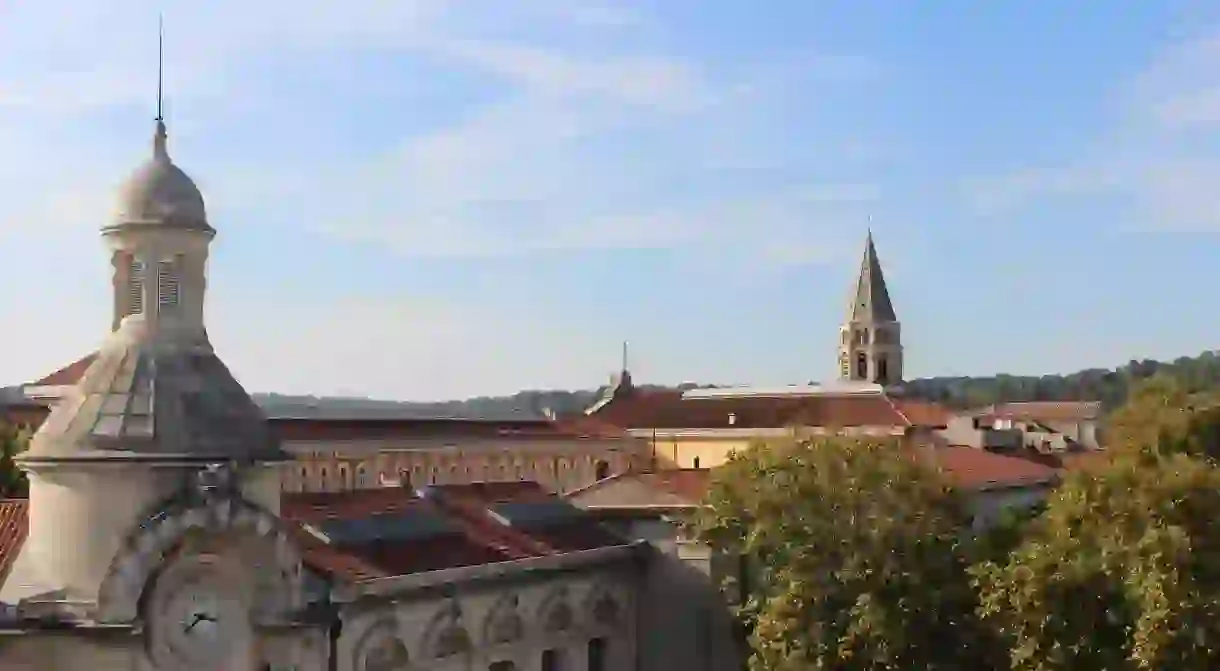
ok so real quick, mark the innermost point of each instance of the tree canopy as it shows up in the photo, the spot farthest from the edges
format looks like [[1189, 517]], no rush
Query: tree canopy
[[856, 556], [1118, 573], [1164, 415]]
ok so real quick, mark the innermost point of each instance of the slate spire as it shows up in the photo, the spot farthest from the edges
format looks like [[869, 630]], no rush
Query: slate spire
[[871, 299]]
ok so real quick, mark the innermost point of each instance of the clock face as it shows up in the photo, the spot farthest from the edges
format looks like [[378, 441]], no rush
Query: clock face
[[198, 621]]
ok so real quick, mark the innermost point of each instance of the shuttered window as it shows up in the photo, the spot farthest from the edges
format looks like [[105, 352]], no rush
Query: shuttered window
[[168, 284], [135, 287]]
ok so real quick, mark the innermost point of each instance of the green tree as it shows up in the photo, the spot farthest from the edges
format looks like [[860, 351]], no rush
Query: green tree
[[13, 441], [857, 557], [1118, 573], [1165, 415]]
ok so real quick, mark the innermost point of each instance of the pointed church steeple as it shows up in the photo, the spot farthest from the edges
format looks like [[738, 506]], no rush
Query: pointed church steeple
[[871, 300], [870, 341]]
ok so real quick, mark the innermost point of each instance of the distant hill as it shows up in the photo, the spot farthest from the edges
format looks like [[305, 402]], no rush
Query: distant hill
[[1108, 386]]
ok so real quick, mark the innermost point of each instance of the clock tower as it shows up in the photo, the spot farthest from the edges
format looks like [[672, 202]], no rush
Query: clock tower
[[156, 410]]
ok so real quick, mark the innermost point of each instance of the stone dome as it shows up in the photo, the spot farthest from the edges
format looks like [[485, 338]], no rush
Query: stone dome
[[160, 193]]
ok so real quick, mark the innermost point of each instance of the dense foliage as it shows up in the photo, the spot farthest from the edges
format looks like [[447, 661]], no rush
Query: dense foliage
[[1108, 386], [858, 557], [1119, 573]]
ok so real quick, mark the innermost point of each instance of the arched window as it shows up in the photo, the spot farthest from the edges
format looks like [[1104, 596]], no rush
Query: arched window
[[601, 470], [361, 478], [696, 462], [862, 366], [550, 660], [883, 370]]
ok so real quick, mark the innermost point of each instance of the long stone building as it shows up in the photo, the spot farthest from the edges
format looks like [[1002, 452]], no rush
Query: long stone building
[[340, 453]]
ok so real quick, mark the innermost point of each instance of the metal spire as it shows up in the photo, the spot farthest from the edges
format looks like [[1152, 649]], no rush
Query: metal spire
[[160, 63], [159, 139], [624, 355]]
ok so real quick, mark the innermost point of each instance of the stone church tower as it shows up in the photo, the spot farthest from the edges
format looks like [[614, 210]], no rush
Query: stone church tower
[[870, 341]]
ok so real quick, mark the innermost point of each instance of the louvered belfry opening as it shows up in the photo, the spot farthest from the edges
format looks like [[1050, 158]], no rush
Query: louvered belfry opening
[[169, 284], [135, 287]]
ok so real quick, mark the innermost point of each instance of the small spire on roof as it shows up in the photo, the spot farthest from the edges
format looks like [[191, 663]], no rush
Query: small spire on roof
[[160, 149]]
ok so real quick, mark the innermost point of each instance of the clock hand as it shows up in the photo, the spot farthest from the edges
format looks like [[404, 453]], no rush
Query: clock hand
[[198, 617]]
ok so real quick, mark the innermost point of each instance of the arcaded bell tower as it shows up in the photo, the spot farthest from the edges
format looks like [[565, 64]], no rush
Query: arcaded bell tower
[[870, 340]]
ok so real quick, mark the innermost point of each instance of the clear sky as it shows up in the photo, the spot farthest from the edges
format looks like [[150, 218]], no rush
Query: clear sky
[[441, 198]]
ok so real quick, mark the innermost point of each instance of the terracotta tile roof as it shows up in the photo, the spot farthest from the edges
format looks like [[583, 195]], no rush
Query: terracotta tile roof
[[669, 410], [449, 526], [682, 486], [973, 468], [539, 520], [69, 374], [323, 429], [966, 467], [13, 527], [312, 507], [924, 413], [1045, 411]]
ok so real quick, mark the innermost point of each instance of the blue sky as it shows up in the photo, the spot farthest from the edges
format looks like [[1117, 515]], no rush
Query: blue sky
[[440, 198]]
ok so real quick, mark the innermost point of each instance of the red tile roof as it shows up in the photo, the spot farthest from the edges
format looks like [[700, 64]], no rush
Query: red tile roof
[[325, 429], [966, 467], [669, 410], [13, 527], [924, 413], [973, 468], [685, 485], [459, 528]]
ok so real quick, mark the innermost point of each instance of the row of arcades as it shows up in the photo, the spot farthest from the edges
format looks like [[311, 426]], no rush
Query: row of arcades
[[559, 472]]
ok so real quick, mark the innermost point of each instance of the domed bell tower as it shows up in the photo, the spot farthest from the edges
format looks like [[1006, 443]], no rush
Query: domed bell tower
[[870, 340], [155, 408]]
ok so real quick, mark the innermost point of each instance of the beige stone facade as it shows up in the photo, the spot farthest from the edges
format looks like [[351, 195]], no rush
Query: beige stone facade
[[561, 465]]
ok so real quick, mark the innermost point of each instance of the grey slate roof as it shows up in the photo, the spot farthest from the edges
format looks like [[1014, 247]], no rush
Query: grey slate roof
[[150, 398], [871, 299]]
